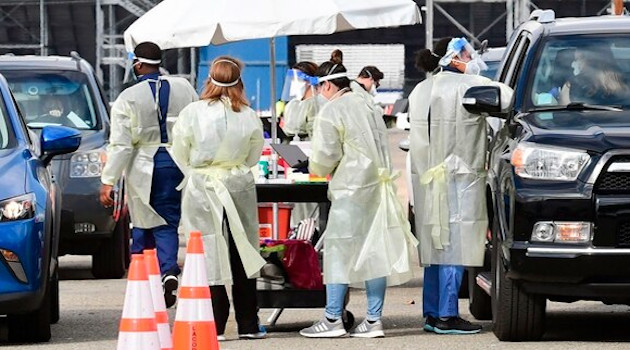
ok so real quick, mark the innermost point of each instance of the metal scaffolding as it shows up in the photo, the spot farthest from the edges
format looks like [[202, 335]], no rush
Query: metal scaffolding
[[42, 40], [111, 55], [110, 48], [516, 12]]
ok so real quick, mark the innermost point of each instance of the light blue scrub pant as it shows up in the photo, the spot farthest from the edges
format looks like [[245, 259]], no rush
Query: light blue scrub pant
[[440, 293], [336, 297]]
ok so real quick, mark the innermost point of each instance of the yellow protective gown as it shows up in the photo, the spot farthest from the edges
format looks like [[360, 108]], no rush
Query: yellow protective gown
[[368, 235], [369, 99], [134, 140], [215, 147], [299, 116], [448, 169]]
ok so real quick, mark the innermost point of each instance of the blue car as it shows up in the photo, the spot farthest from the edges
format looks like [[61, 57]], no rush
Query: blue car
[[29, 222]]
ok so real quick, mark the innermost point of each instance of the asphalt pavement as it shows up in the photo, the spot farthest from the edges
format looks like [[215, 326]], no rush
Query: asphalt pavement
[[91, 310]]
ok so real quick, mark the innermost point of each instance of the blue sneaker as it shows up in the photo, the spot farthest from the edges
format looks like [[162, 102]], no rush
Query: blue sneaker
[[456, 325], [429, 324], [261, 334]]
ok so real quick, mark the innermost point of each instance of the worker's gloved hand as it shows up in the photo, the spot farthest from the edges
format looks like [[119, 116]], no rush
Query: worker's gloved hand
[[303, 168]]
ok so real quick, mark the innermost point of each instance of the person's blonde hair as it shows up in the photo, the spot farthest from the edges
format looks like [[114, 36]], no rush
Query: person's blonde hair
[[226, 70]]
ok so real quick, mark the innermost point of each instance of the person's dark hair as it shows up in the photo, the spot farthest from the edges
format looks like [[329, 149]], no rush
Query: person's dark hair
[[148, 50], [428, 61], [329, 68], [307, 67], [336, 57], [371, 72]]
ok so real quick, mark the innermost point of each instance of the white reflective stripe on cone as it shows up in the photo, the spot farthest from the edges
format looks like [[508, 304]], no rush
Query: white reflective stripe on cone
[[194, 310], [138, 341], [194, 271], [155, 281], [164, 331], [138, 291]]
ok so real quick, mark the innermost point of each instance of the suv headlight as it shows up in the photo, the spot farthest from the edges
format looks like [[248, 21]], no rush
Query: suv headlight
[[533, 161], [17, 208], [87, 164]]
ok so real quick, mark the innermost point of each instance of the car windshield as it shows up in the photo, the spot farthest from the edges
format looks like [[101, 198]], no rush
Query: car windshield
[[491, 72], [54, 98], [581, 70]]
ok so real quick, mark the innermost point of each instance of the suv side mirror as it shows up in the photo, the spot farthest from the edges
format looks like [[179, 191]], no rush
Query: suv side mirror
[[483, 100], [56, 140]]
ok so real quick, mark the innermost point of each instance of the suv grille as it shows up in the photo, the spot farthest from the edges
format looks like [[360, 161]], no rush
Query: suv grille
[[614, 182], [623, 235]]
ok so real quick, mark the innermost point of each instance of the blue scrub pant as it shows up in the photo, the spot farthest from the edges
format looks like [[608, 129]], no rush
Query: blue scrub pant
[[336, 297], [440, 295], [166, 201]]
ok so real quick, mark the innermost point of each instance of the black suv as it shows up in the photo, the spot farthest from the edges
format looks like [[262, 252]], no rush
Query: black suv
[[64, 91], [558, 173]]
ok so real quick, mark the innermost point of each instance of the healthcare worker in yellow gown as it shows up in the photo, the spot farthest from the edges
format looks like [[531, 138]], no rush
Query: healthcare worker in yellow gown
[[215, 142], [367, 241], [448, 153], [140, 147]]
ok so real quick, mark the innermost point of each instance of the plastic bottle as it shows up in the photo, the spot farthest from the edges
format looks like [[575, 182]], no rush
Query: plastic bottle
[[263, 167]]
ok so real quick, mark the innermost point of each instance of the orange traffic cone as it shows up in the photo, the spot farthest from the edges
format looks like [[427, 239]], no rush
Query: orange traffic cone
[[194, 327], [155, 282], [138, 330]]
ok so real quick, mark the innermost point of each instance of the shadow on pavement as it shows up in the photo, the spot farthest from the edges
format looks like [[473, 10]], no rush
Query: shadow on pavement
[[587, 326]]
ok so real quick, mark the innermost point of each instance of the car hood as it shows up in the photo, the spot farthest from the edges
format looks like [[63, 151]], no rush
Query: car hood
[[596, 131], [12, 173]]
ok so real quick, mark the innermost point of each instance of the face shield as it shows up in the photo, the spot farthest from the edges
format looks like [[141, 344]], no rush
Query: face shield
[[130, 75], [460, 51], [295, 84]]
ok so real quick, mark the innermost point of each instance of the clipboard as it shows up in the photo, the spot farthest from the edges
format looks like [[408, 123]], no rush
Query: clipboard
[[292, 154]]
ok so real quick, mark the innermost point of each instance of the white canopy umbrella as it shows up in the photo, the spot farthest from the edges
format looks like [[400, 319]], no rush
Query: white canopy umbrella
[[194, 23]]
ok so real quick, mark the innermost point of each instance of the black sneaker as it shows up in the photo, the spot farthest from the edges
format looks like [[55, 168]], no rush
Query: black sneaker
[[170, 284], [429, 324], [455, 325]]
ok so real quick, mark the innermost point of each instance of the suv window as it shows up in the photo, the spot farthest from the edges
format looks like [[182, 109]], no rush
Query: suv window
[[518, 67], [591, 69], [6, 135], [54, 98]]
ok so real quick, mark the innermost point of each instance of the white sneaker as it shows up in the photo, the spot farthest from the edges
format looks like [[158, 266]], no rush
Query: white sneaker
[[221, 337], [324, 329], [368, 330]]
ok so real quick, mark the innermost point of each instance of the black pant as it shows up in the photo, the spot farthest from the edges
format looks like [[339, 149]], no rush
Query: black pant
[[243, 296]]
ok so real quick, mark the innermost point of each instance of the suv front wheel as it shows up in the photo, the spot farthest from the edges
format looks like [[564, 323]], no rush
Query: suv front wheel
[[516, 315]]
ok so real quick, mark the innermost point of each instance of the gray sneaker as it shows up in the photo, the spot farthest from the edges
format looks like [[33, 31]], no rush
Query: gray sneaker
[[368, 330], [324, 329]]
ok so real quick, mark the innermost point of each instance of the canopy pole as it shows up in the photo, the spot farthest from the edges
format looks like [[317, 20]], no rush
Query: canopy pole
[[274, 131]]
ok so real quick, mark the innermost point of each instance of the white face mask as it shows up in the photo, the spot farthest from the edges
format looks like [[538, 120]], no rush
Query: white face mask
[[473, 67], [297, 89], [373, 90], [55, 113], [577, 67]]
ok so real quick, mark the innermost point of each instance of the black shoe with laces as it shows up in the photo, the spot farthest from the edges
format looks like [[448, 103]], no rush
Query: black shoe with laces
[[429, 324], [170, 284], [455, 325]]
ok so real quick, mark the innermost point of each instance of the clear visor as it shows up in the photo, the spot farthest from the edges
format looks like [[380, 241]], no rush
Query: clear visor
[[295, 84], [459, 49]]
